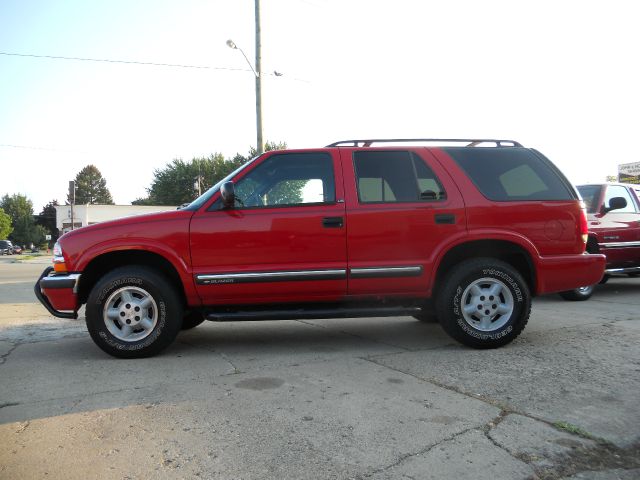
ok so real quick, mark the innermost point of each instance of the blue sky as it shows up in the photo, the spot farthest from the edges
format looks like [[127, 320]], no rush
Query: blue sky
[[560, 76]]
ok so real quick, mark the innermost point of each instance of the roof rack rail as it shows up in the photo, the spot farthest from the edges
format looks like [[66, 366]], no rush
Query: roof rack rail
[[470, 142]]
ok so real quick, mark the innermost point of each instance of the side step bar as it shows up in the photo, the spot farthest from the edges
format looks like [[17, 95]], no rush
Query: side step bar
[[622, 270], [310, 313]]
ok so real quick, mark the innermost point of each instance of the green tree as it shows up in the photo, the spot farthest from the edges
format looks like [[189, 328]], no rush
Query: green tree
[[268, 147], [177, 183], [91, 188], [25, 230], [5, 225], [47, 219]]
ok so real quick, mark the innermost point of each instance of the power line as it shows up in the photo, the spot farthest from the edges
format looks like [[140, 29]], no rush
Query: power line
[[153, 64], [128, 62]]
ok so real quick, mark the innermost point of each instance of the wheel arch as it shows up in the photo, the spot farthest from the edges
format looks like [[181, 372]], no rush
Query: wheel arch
[[512, 253], [102, 264]]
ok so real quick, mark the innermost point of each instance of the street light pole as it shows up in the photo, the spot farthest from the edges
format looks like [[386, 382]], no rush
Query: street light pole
[[257, 72]]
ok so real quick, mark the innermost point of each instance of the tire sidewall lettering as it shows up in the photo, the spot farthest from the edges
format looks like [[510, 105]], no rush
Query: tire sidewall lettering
[[145, 342], [457, 305], [120, 282], [500, 275]]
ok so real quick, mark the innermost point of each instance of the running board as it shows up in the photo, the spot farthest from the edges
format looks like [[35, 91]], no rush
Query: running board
[[622, 270], [311, 313]]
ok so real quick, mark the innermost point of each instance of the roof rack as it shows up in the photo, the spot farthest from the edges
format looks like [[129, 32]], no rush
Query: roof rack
[[470, 142]]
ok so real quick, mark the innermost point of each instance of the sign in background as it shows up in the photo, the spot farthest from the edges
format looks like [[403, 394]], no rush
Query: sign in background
[[629, 173]]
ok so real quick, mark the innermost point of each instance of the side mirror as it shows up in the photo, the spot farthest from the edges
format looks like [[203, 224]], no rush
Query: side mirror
[[616, 203], [228, 194]]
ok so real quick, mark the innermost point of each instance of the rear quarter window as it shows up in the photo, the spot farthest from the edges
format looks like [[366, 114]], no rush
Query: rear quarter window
[[512, 174]]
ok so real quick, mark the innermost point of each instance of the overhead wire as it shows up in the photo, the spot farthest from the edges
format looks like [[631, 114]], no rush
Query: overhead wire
[[136, 62]]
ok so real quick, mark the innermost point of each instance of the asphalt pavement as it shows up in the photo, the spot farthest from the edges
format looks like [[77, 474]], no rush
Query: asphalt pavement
[[380, 398]]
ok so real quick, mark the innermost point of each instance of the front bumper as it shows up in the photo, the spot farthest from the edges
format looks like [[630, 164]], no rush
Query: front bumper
[[568, 272], [58, 292]]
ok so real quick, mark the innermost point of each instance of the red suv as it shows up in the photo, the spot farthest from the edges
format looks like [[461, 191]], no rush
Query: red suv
[[467, 233], [614, 230]]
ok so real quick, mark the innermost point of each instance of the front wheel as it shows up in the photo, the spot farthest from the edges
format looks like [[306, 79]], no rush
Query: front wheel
[[578, 294], [133, 312], [483, 303]]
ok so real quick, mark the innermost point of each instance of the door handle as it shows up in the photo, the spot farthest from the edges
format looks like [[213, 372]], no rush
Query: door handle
[[445, 218], [332, 222]]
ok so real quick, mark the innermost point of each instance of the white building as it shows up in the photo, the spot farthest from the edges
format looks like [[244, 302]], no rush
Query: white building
[[84, 215]]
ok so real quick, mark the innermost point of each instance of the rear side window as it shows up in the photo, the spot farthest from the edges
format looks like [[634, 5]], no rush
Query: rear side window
[[394, 177], [511, 174]]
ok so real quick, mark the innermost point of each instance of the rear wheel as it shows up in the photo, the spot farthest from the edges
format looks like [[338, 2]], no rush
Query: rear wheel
[[133, 312], [483, 303], [578, 294]]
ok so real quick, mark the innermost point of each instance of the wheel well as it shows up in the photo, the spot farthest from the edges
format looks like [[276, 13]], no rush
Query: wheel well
[[103, 264], [508, 252]]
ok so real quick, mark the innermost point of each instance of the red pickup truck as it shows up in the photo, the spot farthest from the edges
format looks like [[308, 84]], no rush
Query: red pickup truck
[[463, 230], [613, 211]]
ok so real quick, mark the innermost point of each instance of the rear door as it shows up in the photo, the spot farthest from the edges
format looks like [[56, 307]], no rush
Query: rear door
[[401, 206], [285, 239]]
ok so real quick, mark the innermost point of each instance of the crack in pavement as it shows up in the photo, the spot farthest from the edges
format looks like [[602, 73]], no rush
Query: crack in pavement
[[236, 370], [3, 358], [603, 456], [423, 451]]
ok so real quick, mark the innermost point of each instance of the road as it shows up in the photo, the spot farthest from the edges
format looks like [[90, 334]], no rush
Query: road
[[380, 398]]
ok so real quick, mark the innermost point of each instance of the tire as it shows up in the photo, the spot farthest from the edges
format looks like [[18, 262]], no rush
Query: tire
[[192, 319], [483, 303], [605, 278], [125, 292], [578, 294]]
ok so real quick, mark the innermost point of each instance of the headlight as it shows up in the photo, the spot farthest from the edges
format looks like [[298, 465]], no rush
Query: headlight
[[57, 252], [58, 259]]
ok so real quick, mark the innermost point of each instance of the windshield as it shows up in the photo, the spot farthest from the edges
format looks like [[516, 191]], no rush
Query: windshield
[[202, 199], [591, 195]]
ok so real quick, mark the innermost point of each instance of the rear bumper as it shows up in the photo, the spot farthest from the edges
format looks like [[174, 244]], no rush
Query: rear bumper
[[58, 292], [567, 272]]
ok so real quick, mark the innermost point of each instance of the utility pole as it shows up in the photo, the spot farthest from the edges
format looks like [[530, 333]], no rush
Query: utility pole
[[258, 72], [72, 198]]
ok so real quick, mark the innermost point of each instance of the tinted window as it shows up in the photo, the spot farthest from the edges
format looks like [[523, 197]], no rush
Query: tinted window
[[288, 179], [618, 191], [591, 196], [511, 174], [395, 176]]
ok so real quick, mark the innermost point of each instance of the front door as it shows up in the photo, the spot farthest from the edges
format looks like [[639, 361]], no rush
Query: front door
[[619, 229], [284, 241]]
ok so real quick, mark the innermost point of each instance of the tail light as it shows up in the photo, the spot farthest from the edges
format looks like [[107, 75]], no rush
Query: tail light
[[584, 227]]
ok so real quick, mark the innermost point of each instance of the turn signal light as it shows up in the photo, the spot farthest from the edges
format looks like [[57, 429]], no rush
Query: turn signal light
[[60, 267]]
